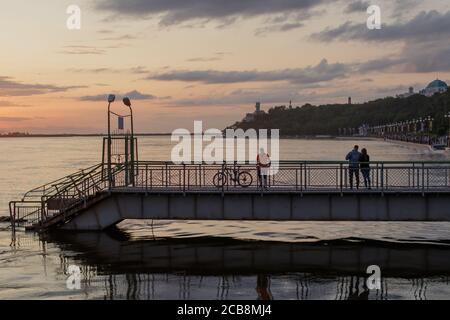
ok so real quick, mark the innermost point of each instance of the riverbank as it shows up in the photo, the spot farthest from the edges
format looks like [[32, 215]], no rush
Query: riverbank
[[426, 147]]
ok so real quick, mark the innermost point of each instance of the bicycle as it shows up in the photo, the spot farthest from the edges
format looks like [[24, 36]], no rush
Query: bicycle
[[243, 178]]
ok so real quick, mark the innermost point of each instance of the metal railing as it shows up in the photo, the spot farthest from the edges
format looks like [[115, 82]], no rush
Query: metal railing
[[55, 198], [54, 186], [306, 176], [79, 189]]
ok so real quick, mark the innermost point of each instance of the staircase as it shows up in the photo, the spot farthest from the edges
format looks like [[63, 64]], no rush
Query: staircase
[[59, 201]]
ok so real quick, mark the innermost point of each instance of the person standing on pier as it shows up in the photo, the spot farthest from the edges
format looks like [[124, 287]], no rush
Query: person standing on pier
[[263, 163], [364, 165], [353, 159]]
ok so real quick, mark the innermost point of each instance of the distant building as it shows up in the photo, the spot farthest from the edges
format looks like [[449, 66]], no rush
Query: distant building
[[407, 94], [437, 86], [363, 130], [252, 116]]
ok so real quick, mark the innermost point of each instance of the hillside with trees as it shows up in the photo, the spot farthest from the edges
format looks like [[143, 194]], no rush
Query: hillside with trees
[[310, 120]]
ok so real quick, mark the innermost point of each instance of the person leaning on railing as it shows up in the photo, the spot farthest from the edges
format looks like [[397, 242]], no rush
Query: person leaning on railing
[[353, 166], [364, 165]]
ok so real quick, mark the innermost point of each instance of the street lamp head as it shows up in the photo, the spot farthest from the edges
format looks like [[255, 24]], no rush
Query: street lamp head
[[111, 98], [127, 102]]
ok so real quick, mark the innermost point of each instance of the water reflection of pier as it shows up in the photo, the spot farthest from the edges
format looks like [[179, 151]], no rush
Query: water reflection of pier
[[145, 269]]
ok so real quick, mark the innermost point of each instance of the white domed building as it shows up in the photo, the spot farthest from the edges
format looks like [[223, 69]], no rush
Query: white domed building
[[437, 86]]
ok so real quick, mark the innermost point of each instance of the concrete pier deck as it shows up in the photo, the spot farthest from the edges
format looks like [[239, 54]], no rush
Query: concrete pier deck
[[301, 191]]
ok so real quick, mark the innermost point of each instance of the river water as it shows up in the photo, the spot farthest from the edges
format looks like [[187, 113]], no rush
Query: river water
[[216, 260]]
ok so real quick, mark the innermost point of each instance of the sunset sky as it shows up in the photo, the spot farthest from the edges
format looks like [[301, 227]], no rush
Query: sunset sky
[[210, 60]]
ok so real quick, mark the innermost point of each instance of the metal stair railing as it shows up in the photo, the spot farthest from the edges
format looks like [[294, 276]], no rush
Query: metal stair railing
[[78, 192], [52, 187], [54, 198], [24, 213]]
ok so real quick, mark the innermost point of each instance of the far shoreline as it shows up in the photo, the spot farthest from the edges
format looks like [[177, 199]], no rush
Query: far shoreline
[[70, 135]]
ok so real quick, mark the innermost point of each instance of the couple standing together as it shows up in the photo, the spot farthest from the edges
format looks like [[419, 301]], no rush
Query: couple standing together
[[358, 161]]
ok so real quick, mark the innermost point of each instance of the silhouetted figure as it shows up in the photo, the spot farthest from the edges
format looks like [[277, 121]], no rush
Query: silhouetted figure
[[364, 165], [263, 287], [263, 166], [354, 293], [353, 167]]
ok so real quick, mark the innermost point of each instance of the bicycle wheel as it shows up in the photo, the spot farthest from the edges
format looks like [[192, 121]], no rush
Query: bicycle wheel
[[220, 179], [245, 179]]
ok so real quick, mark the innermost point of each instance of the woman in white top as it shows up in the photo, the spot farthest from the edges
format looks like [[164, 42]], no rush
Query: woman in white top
[[263, 167]]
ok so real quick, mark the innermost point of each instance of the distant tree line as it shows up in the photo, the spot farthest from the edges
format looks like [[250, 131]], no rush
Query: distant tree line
[[311, 120], [15, 134]]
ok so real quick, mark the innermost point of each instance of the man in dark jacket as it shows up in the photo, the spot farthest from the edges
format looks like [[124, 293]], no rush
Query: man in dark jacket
[[353, 167], [364, 165]]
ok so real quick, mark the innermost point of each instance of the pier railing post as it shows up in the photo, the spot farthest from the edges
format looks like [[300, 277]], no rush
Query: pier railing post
[[423, 179], [146, 177], [306, 176], [184, 178], [167, 175]]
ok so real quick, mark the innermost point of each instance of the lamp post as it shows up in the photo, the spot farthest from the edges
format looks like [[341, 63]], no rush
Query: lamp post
[[430, 128], [448, 134], [129, 141], [130, 174], [410, 130], [111, 99]]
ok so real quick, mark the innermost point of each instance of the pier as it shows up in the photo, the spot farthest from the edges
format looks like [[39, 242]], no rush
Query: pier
[[94, 199], [123, 187]]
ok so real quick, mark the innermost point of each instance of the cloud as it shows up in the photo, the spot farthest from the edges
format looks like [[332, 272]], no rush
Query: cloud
[[425, 25], [120, 38], [380, 64], [178, 11], [311, 74], [204, 59], [284, 27], [105, 31], [135, 70], [9, 87], [14, 119], [357, 6], [215, 57], [286, 22], [425, 42], [402, 7], [282, 96], [4, 103], [428, 56], [82, 50], [133, 95], [244, 96], [136, 95]]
